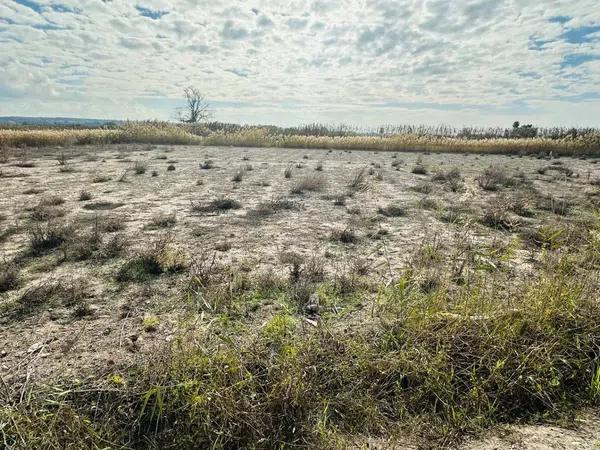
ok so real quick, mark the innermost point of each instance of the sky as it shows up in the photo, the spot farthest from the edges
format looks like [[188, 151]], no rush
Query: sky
[[358, 62]]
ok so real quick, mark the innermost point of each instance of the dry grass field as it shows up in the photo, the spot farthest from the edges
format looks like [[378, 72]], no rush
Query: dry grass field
[[558, 141], [194, 297]]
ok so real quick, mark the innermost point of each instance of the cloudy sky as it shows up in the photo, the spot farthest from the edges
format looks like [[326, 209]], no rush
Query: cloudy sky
[[362, 62]]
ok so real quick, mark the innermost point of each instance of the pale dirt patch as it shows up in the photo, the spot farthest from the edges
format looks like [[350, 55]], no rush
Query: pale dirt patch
[[112, 336]]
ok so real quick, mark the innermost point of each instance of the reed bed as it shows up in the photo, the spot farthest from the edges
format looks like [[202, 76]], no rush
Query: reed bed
[[180, 134]]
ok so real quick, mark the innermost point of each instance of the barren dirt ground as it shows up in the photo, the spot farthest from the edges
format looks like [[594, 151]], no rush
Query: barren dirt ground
[[52, 340]]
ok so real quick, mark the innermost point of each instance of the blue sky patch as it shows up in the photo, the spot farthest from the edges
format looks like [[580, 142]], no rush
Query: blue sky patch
[[576, 59], [559, 19], [583, 34], [150, 13], [30, 4]]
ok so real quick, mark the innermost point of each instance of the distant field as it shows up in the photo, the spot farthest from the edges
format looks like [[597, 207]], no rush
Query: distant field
[[582, 143], [185, 296]]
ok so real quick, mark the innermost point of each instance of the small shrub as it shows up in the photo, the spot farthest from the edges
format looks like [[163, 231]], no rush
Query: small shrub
[[423, 188], [546, 236], [66, 169], [566, 171], [238, 176], [217, 205], [163, 220], [63, 292], [9, 277], [101, 179], [140, 167], [110, 224], [344, 235], [419, 169], [453, 174], [223, 246], [84, 196], [170, 168], [43, 213], [428, 203], [80, 247], [310, 183], [47, 236], [150, 323], [392, 211], [493, 178], [268, 208], [287, 173], [162, 257], [52, 200], [113, 247], [154, 173], [319, 167], [556, 205], [497, 215], [359, 182], [339, 200], [452, 214]]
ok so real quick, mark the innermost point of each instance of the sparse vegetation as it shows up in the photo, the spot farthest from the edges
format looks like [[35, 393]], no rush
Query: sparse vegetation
[[208, 164], [84, 196], [47, 236], [140, 167], [359, 182], [219, 204], [493, 178], [268, 208], [163, 256], [163, 220], [344, 235], [392, 210], [294, 323], [9, 277], [100, 179], [309, 183]]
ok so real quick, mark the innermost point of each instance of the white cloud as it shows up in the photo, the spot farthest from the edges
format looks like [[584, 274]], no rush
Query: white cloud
[[459, 62]]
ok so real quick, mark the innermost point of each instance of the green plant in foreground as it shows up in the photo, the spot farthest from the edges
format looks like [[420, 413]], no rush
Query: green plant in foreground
[[441, 362]]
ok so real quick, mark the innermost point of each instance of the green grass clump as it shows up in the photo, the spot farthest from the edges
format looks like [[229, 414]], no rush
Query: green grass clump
[[162, 257], [442, 363]]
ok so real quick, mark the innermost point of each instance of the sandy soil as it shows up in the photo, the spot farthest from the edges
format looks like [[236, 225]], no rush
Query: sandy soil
[[52, 342]]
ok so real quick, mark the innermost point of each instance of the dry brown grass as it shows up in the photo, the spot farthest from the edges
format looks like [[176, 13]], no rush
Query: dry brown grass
[[169, 133]]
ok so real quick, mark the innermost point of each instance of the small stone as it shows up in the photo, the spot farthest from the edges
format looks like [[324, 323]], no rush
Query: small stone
[[35, 347]]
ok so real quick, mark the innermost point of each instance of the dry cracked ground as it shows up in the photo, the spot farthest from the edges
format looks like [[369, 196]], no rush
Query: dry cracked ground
[[74, 220]]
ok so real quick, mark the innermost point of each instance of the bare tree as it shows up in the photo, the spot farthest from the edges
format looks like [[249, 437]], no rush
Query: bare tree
[[196, 109]]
